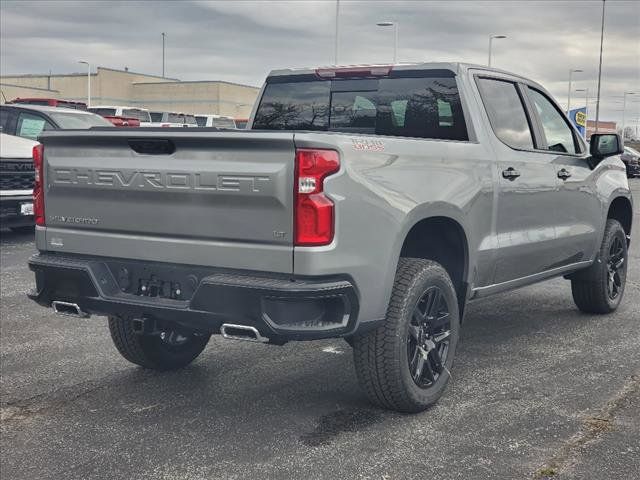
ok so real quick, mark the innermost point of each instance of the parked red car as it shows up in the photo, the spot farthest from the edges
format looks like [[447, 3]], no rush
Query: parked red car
[[51, 102]]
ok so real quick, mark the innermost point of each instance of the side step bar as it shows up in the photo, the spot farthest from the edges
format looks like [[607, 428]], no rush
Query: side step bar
[[68, 309], [242, 332]]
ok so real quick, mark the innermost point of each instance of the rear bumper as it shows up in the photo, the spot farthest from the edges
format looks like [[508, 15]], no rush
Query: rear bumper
[[281, 308]]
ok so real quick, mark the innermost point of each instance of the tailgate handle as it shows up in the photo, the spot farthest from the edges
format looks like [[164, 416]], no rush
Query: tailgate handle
[[152, 146]]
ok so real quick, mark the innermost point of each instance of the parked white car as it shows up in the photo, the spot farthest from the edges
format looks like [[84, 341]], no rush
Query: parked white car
[[171, 119], [219, 121], [16, 182]]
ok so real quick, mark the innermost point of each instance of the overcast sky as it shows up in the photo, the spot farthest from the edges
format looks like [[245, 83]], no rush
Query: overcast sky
[[241, 41]]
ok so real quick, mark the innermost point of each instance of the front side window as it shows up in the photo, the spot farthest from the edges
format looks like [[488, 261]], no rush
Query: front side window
[[506, 112], [427, 107], [31, 126], [556, 130]]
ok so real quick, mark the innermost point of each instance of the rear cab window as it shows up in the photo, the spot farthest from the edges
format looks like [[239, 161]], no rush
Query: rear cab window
[[419, 104]]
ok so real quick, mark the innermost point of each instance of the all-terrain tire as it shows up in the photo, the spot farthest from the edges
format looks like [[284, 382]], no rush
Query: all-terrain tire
[[591, 288], [151, 351], [381, 356]]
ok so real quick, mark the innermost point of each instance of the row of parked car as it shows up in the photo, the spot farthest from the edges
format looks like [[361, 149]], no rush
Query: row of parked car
[[126, 116]]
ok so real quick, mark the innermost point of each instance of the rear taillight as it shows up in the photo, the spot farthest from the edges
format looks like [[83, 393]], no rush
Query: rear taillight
[[356, 71], [38, 185], [314, 211]]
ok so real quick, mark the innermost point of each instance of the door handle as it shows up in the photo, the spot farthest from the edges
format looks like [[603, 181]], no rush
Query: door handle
[[510, 173], [564, 174]]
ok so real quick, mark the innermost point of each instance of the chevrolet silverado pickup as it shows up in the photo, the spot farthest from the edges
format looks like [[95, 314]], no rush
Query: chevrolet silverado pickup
[[370, 203]]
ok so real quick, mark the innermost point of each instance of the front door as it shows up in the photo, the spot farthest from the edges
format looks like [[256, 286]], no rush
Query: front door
[[527, 186]]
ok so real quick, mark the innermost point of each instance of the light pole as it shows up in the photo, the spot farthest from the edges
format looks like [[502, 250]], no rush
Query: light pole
[[164, 36], [395, 37], [624, 107], [336, 39], [600, 71], [88, 81], [571, 72], [586, 97], [491, 37]]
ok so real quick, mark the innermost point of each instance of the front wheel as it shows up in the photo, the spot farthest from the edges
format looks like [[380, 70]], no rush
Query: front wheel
[[599, 289], [405, 364], [169, 350]]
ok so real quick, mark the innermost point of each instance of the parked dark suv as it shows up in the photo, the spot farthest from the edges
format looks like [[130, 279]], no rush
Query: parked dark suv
[[631, 159], [29, 121]]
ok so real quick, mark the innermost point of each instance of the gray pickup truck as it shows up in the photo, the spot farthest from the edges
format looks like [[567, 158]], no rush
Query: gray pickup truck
[[370, 203]]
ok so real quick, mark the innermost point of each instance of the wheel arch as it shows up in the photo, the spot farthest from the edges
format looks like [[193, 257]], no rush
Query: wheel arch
[[442, 238], [621, 209]]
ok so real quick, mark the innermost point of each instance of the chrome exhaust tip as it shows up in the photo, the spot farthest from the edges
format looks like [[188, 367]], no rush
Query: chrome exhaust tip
[[231, 331], [68, 309]]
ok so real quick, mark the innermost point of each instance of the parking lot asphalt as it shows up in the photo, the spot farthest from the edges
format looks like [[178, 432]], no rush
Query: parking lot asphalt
[[538, 389]]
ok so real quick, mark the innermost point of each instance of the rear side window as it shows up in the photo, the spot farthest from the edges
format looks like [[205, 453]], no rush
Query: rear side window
[[156, 116], [407, 107], [506, 112], [31, 126], [202, 121]]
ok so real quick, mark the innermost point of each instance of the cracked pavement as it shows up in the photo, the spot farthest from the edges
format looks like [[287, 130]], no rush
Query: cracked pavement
[[538, 390]]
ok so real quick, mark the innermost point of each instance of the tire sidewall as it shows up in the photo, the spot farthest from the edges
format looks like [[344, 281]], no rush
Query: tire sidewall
[[428, 277], [614, 231]]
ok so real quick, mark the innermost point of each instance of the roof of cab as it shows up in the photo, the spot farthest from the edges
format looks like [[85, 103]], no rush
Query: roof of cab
[[455, 67]]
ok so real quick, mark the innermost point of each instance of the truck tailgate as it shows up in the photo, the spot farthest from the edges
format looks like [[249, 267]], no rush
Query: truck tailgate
[[190, 196]]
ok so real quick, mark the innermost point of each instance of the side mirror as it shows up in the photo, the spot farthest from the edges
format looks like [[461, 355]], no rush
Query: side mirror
[[605, 145]]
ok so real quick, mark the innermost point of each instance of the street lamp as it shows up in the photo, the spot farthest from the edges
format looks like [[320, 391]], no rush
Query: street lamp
[[571, 72], [586, 97], [491, 37], [624, 107], [164, 36], [88, 81], [395, 38]]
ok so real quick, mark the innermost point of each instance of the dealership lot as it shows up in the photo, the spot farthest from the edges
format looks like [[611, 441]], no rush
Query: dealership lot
[[537, 387]]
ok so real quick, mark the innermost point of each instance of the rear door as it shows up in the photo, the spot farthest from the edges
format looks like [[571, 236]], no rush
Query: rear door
[[183, 196], [526, 212]]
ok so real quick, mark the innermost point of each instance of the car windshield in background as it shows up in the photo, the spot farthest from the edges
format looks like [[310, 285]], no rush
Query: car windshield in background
[[409, 107], [141, 115], [223, 123], [105, 112], [181, 118], [71, 121], [633, 151]]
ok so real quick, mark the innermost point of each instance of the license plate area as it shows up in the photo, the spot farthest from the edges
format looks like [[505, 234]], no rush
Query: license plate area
[[26, 208]]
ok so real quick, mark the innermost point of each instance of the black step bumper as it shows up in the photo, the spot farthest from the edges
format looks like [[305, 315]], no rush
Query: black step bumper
[[280, 307]]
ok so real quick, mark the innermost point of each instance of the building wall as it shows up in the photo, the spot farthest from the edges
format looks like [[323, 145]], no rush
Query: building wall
[[10, 92], [119, 87], [218, 98]]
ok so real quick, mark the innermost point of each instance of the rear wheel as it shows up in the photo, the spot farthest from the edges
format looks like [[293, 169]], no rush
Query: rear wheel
[[599, 288], [405, 363], [168, 350]]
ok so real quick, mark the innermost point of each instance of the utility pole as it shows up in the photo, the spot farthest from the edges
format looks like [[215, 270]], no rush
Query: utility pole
[[164, 35], [600, 70], [336, 39]]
